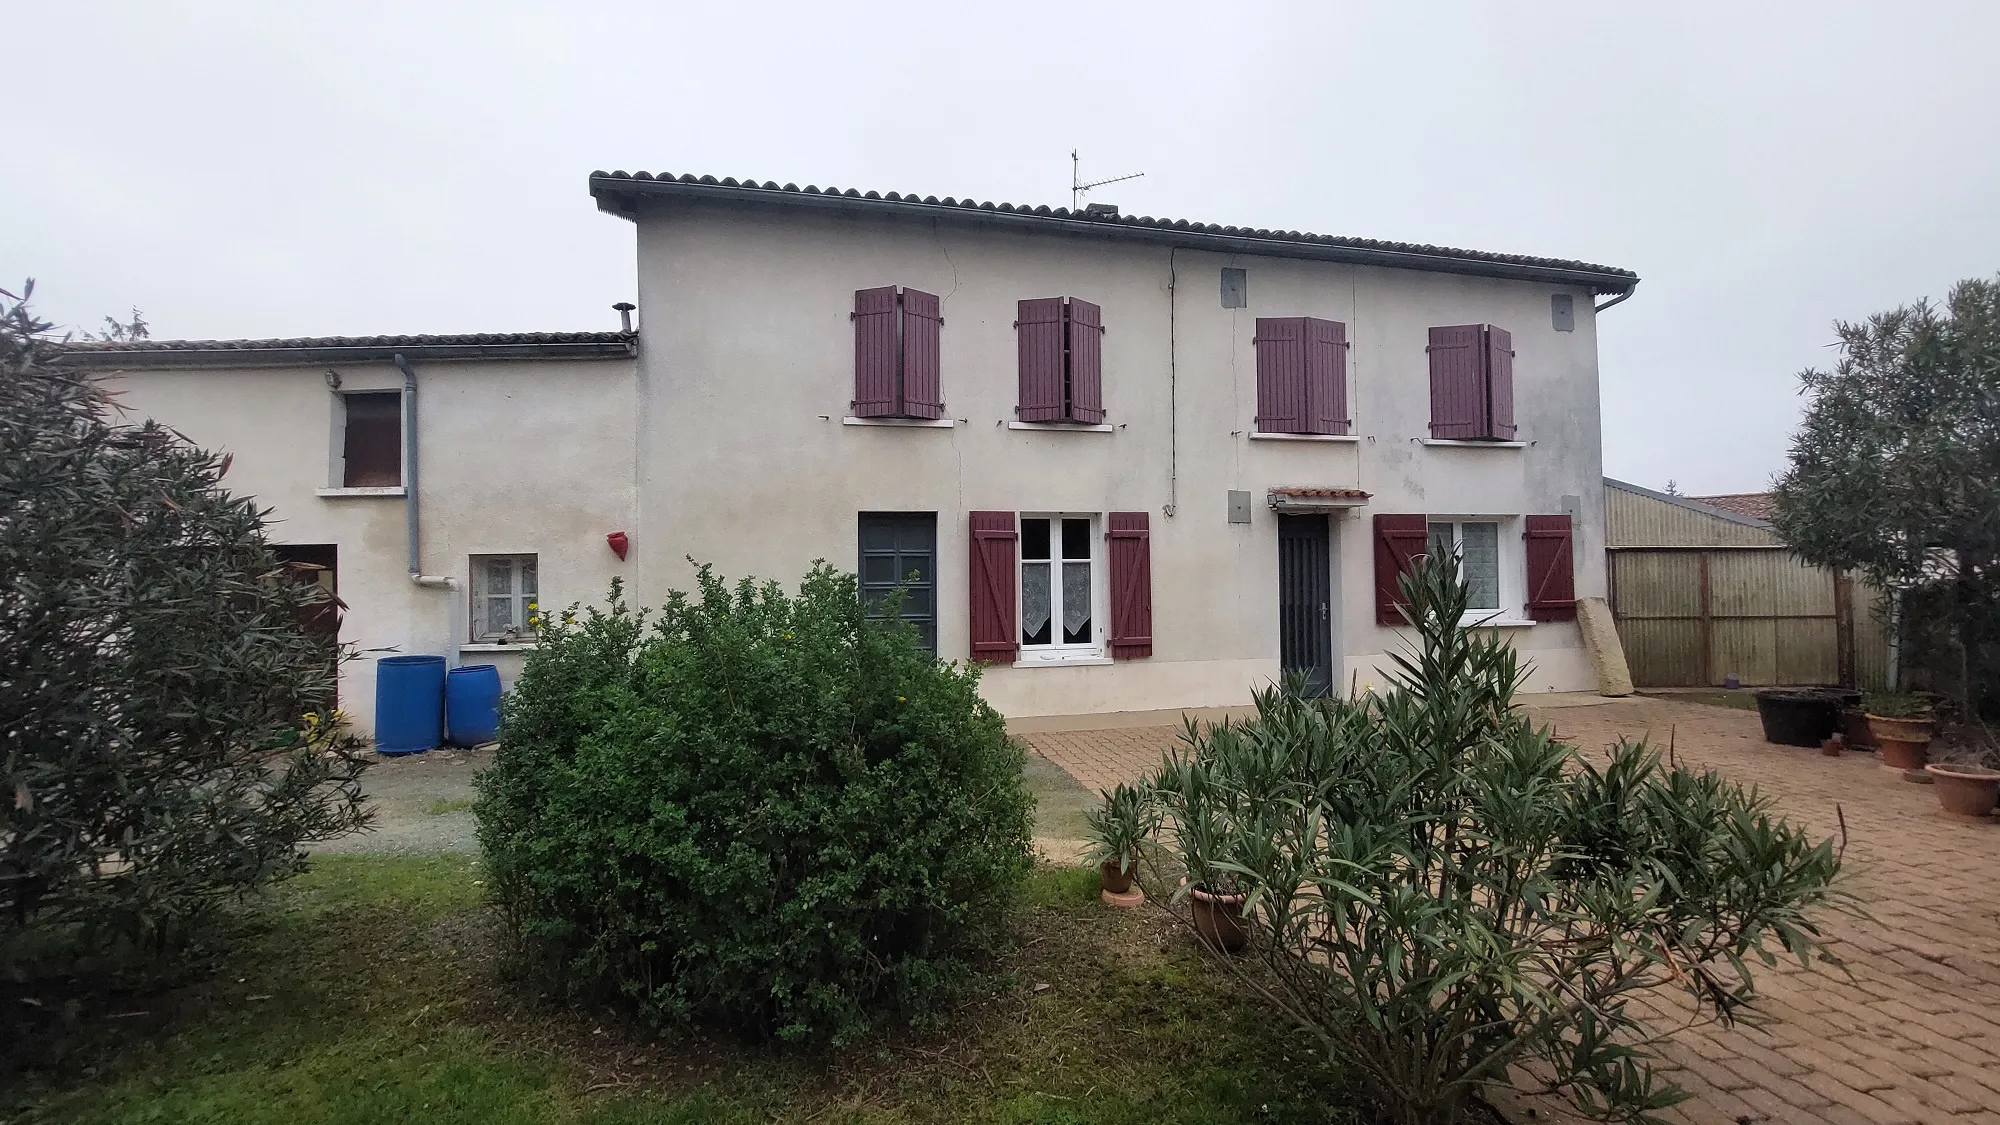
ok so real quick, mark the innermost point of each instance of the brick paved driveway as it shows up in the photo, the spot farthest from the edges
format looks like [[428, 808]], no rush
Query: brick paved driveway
[[1914, 1036]]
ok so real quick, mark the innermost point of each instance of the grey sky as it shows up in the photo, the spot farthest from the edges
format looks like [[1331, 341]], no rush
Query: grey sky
[[255, 169]]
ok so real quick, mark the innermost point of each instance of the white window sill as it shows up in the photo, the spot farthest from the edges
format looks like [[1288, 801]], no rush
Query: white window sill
[[1062, 427], [905, 423], [1475, 444], [357, 493], [1498, 623], [1259, 435], [486, 646], [1066, 660]]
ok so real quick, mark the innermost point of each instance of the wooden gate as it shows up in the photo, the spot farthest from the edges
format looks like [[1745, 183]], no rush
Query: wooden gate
[[1691, 616]]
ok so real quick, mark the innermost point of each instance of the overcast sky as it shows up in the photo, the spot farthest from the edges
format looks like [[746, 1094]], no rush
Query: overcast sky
[[257, 169]]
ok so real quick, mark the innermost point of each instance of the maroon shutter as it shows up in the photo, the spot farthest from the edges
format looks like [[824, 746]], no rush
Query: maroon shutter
[[1399, 539], [994, 631], [875, 352], [1458, 381], [1551, 569], [1500, 382], [923, 386], [1131, 585], [1039, 334], [1281, 374], [1325, 376], [1086, 361]]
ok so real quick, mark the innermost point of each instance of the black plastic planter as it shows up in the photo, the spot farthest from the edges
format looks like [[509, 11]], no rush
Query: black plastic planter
[[1798, 718]]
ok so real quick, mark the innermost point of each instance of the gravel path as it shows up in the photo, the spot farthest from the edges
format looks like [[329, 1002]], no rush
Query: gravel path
[[422, 803]]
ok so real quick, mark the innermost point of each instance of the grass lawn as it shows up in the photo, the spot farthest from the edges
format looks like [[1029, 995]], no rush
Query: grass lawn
[[371, 992]]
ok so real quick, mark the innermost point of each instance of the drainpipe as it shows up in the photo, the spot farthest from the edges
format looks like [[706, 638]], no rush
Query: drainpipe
[[411, 518], [1625, 296]]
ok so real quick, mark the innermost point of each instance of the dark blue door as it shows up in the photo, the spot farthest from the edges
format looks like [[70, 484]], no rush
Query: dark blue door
[[1305, 615], [900, 549]]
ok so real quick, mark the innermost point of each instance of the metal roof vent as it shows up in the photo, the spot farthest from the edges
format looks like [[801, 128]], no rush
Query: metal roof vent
[[1105, 210]]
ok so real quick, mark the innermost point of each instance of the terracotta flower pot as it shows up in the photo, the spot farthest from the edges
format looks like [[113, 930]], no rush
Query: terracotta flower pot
[[1966, 792], [1219, 919], [1905, 742], [1113, 881]]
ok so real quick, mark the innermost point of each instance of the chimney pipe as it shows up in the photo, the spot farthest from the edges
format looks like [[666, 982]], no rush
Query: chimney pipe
[[624, 315]]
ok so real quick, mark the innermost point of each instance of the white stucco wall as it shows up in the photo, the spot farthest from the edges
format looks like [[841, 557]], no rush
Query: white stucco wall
[[724, 441], [517, 457], [746, 362]]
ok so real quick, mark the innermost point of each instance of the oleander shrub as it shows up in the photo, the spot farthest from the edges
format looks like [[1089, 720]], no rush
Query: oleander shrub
[[1442, 896], [754, 809], [168, 743]]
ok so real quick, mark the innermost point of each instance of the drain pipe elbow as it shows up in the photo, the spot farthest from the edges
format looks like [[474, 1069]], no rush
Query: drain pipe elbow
[[1619, 299], [412, 494]]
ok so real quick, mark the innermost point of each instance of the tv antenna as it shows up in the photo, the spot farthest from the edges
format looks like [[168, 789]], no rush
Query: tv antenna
[[1077, 187]]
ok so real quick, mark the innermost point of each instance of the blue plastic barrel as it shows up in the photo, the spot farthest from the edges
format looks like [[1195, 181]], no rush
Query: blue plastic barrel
[[409, 704], [472, 704]]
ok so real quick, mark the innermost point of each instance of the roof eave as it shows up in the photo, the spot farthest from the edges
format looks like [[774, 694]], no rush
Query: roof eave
[[625, 197], [133, 359]]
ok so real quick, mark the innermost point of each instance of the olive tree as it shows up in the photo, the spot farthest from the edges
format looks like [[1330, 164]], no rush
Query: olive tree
[[1444, 897], [1895, 473], [169, 738]]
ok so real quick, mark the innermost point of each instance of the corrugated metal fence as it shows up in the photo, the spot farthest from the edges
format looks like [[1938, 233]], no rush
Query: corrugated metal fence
[[1701, 595]]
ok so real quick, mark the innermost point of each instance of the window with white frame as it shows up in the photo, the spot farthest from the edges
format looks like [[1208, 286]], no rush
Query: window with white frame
[[1060, 577], [1479, 547], [504, 598]]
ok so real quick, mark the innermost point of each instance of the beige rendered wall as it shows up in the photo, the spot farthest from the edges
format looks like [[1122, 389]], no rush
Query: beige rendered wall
[[746, 371], [517, 457]]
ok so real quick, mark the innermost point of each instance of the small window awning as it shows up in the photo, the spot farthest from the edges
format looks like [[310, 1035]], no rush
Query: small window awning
[[1306, 500]]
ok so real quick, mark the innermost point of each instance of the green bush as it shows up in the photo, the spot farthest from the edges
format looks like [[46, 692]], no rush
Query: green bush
[[1439, 893], [760, 810]]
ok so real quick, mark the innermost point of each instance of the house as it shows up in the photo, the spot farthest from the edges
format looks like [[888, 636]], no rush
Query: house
[[1703, 590], [1127, 463]]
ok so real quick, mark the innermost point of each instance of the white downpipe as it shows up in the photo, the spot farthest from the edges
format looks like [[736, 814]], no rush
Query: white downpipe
[[412, 510]]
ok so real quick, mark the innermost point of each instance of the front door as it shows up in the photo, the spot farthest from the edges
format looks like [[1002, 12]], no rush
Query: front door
[[1305, 617], [317, 564], [900, 549]]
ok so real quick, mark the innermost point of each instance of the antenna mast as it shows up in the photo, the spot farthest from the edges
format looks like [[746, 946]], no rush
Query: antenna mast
[[1077, 187]]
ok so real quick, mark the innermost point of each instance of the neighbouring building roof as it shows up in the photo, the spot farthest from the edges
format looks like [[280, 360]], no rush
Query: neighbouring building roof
[[625, 193], [347, 349], [1756, 505], [1636, 517]]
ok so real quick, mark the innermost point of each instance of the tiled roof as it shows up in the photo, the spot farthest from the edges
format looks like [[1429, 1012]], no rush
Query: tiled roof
[[1756, 505], [621, 193], [322, 349]]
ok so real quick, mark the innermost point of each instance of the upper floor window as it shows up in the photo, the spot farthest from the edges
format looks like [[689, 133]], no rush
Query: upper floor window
[[897, 362], [1061, 343], [1301, 376], [371, 445], [1472, 383]]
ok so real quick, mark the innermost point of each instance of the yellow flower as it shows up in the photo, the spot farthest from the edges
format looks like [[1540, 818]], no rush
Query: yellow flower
[[900, 699]]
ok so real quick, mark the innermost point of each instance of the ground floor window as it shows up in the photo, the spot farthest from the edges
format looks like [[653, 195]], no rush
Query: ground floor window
[[505, 598], [1478, 546], [1059, 584]]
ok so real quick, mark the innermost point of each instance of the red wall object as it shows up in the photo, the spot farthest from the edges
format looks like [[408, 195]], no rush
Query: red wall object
[[619, 543]]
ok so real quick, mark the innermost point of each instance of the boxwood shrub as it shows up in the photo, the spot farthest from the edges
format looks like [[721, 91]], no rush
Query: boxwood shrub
[[753, 809]]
